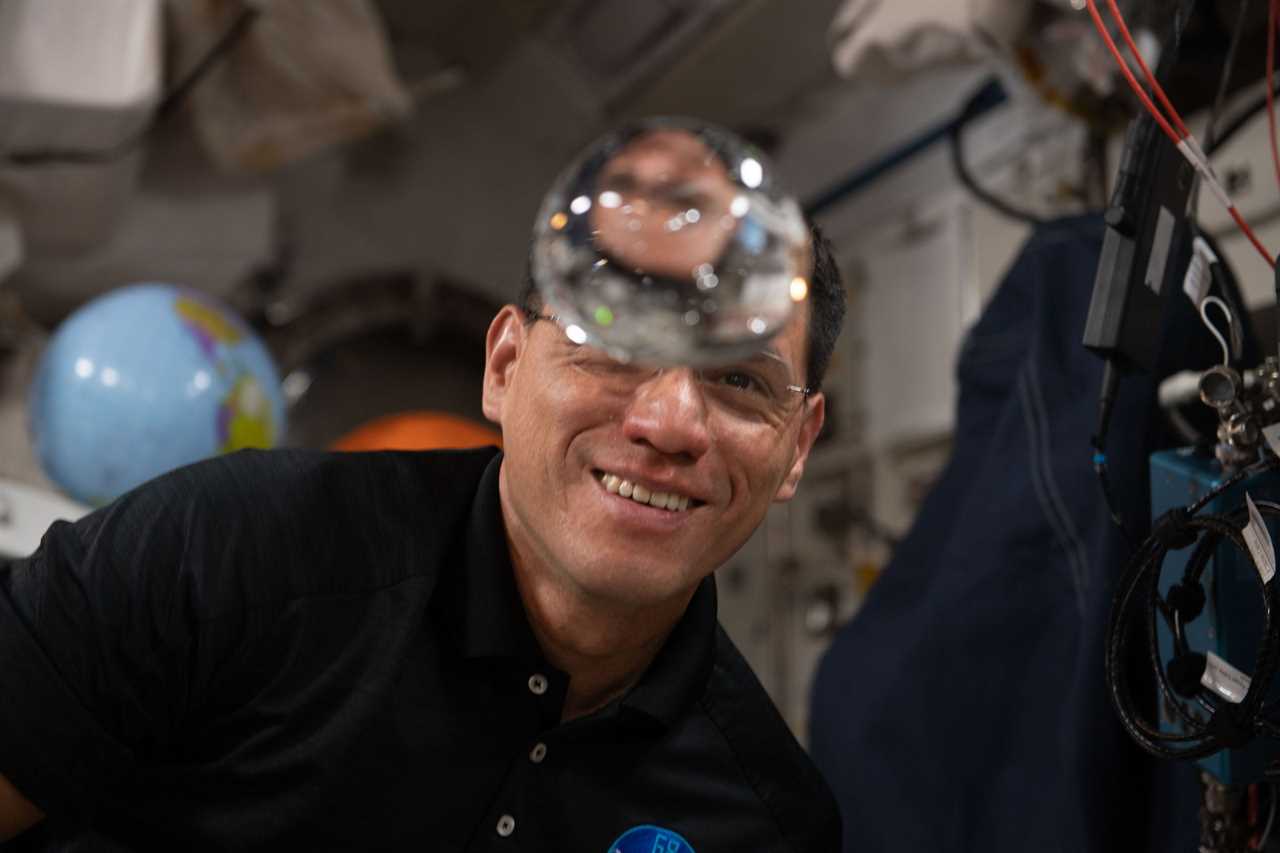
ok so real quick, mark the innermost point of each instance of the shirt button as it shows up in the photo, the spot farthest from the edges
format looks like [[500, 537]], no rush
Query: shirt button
[[538, 753], [538, 684], [506, 825]]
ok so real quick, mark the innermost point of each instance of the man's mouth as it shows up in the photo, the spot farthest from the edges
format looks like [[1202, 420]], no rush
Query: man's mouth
[[670, 501]]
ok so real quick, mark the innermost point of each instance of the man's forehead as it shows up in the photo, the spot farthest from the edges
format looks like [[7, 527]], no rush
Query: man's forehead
[[792, 342]]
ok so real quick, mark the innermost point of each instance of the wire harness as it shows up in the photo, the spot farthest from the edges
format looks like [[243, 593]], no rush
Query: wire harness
[[1170, 121], [1215, 722]]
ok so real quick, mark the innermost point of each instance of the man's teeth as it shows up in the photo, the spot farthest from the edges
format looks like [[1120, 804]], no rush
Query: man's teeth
[[662, 500]]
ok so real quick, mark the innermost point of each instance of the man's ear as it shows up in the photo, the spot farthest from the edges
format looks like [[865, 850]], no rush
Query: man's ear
[[815, 412], [502, 348]]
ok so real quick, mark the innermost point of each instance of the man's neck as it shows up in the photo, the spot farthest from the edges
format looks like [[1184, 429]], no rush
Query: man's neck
[[603, 647]]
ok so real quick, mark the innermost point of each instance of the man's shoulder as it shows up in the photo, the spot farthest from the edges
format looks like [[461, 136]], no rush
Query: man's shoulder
[[284, 522], [290, 480], [772, 760]]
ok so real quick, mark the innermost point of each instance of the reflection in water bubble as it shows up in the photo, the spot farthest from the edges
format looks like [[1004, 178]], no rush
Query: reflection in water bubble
[[670, 242]]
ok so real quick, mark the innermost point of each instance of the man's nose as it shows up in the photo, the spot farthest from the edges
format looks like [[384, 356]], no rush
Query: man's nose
[[669, 413]]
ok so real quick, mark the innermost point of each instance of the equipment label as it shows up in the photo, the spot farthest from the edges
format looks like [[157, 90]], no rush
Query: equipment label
[[1196, 286], [1258, 538], [1224, 679], [1159, 250]]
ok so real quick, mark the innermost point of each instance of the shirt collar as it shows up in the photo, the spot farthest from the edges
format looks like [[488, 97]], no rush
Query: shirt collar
[[489, 616], [678, 675]]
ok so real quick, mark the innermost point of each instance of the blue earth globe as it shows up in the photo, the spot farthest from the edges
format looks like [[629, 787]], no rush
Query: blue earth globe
[[144, 379]]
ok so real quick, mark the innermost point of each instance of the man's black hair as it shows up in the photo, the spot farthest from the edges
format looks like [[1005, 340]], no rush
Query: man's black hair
[[826, 307]]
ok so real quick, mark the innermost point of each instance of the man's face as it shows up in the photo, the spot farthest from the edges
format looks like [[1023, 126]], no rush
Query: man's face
[[571, 424]]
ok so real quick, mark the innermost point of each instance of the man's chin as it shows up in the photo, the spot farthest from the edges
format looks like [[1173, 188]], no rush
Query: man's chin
[[637, 583]]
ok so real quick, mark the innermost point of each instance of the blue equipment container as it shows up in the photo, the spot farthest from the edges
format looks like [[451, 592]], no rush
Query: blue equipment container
[[1231, 624]]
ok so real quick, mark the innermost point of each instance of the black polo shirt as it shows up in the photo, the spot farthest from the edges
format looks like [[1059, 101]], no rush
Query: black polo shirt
[[297, 650]]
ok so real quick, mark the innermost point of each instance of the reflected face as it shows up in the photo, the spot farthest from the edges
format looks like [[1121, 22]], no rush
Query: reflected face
[[664, 205], [582, 446]]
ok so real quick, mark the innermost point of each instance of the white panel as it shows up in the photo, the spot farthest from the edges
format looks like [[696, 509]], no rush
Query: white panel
[[911, 36], [25, 514], [1244, 163], [17, 367], [81, 76], [997, 240], [77, 74], [1257, 283], [1246, 167], [918, 295]]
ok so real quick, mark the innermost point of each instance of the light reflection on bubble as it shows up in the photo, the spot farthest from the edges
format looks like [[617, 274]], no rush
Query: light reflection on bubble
[[637, 236], [799, 289]]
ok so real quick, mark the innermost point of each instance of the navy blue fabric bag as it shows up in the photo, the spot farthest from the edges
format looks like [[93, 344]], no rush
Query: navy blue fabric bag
[[964, 707]]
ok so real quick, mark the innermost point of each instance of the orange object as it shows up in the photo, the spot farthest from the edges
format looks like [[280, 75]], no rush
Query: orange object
[[418, 431]]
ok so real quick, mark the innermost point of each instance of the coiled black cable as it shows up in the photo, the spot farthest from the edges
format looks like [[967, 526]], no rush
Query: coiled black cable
[[1228, 725]]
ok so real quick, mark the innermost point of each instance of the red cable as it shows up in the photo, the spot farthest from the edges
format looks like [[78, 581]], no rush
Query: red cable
[[1253, 238], [1271, 101], [1133, 81], [1157, 115], [1146, 72]]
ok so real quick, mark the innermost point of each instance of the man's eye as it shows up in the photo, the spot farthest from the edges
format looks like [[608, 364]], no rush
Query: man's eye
[[683, 197], [622, 183], [741, 380]]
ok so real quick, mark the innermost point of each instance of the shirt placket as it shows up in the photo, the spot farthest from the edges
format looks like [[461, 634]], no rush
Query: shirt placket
[[509, 825]]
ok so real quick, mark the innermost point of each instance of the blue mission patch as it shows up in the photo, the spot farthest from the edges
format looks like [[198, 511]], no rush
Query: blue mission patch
[[650, 839]]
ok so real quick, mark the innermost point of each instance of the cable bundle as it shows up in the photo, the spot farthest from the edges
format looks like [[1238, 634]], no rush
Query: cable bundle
[[1228, 725], [1171, 122]]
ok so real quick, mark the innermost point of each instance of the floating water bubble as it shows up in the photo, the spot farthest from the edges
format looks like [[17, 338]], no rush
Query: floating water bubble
[[670, 242]]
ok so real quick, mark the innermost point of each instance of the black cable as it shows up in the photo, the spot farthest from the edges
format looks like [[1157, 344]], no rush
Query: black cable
[[1228, 725], [1106, 402], [1217, 528], [1237, 122], [1276, 283], [168, 103], [1224, 82], [1228, 64], [955, 135]]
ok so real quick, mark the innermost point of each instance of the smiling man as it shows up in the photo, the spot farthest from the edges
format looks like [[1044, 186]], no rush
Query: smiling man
[[596, 451], [476, 650]]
